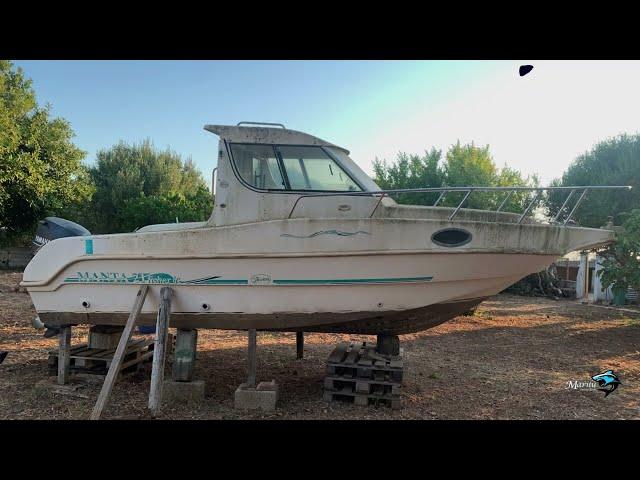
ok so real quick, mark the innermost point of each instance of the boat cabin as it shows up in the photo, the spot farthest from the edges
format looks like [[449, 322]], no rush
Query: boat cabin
[[270, 172]]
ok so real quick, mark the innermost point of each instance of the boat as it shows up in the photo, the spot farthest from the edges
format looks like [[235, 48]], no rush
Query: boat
[[301, 239]]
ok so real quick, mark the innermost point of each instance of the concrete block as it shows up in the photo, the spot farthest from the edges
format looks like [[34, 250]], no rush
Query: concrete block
[[263, 397], [183, 392]]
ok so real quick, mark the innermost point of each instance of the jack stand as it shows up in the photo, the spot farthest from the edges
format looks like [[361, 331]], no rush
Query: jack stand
[[388, 344], [182, 387], [248, 396], [299, 345]]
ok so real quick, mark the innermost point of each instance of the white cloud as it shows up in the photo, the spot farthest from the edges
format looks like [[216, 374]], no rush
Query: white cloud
[[538, 123]]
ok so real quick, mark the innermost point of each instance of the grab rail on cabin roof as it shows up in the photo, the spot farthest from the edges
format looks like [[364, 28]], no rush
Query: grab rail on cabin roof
[[262, 123], [469, 190]]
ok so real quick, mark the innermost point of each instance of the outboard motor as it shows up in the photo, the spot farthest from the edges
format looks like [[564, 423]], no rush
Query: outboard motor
[[54, 227]]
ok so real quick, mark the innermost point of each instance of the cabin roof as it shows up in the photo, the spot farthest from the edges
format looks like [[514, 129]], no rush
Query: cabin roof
[[282, 136]]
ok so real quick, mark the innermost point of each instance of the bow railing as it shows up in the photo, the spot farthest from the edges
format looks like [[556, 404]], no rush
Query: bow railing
[[583, 189]]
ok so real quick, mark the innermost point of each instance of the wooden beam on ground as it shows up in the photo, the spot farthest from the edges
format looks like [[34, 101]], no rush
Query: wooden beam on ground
[[299, 345], [159, 350], [118, 356], [64, 355], [251, 381]]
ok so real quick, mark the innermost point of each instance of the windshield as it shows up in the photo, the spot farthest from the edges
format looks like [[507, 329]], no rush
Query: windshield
[[300, 168]]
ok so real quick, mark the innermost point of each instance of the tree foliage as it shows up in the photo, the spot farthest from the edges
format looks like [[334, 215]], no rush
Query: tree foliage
[[463, 165], [41, 170], [138, 184], [621, 264], [411, 171], [615, 161]]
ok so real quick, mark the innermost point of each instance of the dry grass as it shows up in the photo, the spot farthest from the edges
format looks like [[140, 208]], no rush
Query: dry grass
[[509, 361]]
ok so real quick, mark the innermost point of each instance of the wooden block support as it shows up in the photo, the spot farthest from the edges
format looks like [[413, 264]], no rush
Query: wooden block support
[[64, 355], [251, 382], [104, 336], [159, 350], [118, 356], [184, 356], [299, 345]]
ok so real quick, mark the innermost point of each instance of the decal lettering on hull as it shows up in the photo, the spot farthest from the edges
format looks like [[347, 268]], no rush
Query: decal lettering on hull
[[338, 233]]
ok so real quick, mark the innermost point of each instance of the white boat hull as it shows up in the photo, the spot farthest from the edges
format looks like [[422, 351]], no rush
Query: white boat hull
[[282, 292]]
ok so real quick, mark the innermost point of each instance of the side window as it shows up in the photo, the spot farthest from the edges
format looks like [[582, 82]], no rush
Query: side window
[[296, 174], [258, 166], [310, 168]]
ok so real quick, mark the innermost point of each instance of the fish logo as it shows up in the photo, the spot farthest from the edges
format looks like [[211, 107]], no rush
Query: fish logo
[[608, 382]]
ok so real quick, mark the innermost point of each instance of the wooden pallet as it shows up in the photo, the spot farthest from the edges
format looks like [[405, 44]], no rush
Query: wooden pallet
[[356, 373], [346, 395], [360, 360], [362, 385], [96, 361]]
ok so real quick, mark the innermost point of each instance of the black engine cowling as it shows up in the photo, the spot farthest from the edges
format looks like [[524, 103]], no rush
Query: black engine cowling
[[52, 228]]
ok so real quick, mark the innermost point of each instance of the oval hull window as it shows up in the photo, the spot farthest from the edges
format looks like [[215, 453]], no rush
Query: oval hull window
[[451, 237]]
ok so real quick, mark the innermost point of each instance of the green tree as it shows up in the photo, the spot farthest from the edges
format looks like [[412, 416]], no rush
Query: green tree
[[411, 171], [469, 165], [41, 170], [515, 201], [615, 161], [138, 184], [621, 264], [464, 165]]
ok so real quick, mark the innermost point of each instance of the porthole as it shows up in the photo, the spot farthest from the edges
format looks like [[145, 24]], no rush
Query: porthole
[[451, 237]]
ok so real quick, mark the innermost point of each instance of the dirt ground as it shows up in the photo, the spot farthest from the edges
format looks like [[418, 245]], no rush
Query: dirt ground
[[511, 360]]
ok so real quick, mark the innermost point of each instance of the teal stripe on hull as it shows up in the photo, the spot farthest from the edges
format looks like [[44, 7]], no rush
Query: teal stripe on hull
[[342, 281]]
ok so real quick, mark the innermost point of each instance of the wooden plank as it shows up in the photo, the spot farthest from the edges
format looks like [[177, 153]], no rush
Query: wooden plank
[[140, 359], [353, 355], [365, 359], [371, 381], [338, 353], [159, 350], [114, 368], [64, 357], [72, 350], [92, 354]]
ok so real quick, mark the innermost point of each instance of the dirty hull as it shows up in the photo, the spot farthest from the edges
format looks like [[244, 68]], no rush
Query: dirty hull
[[392, 322]]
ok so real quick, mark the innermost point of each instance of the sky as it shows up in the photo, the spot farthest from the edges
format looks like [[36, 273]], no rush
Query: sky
[[538, 123]]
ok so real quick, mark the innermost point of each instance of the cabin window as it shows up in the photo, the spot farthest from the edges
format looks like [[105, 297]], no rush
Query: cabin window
[[258, 166], [451, 237], [288, 167], [311, 168]]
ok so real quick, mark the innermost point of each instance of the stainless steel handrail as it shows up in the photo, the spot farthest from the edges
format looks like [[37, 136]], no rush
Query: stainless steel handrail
[[262, 123], [468, 191]]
